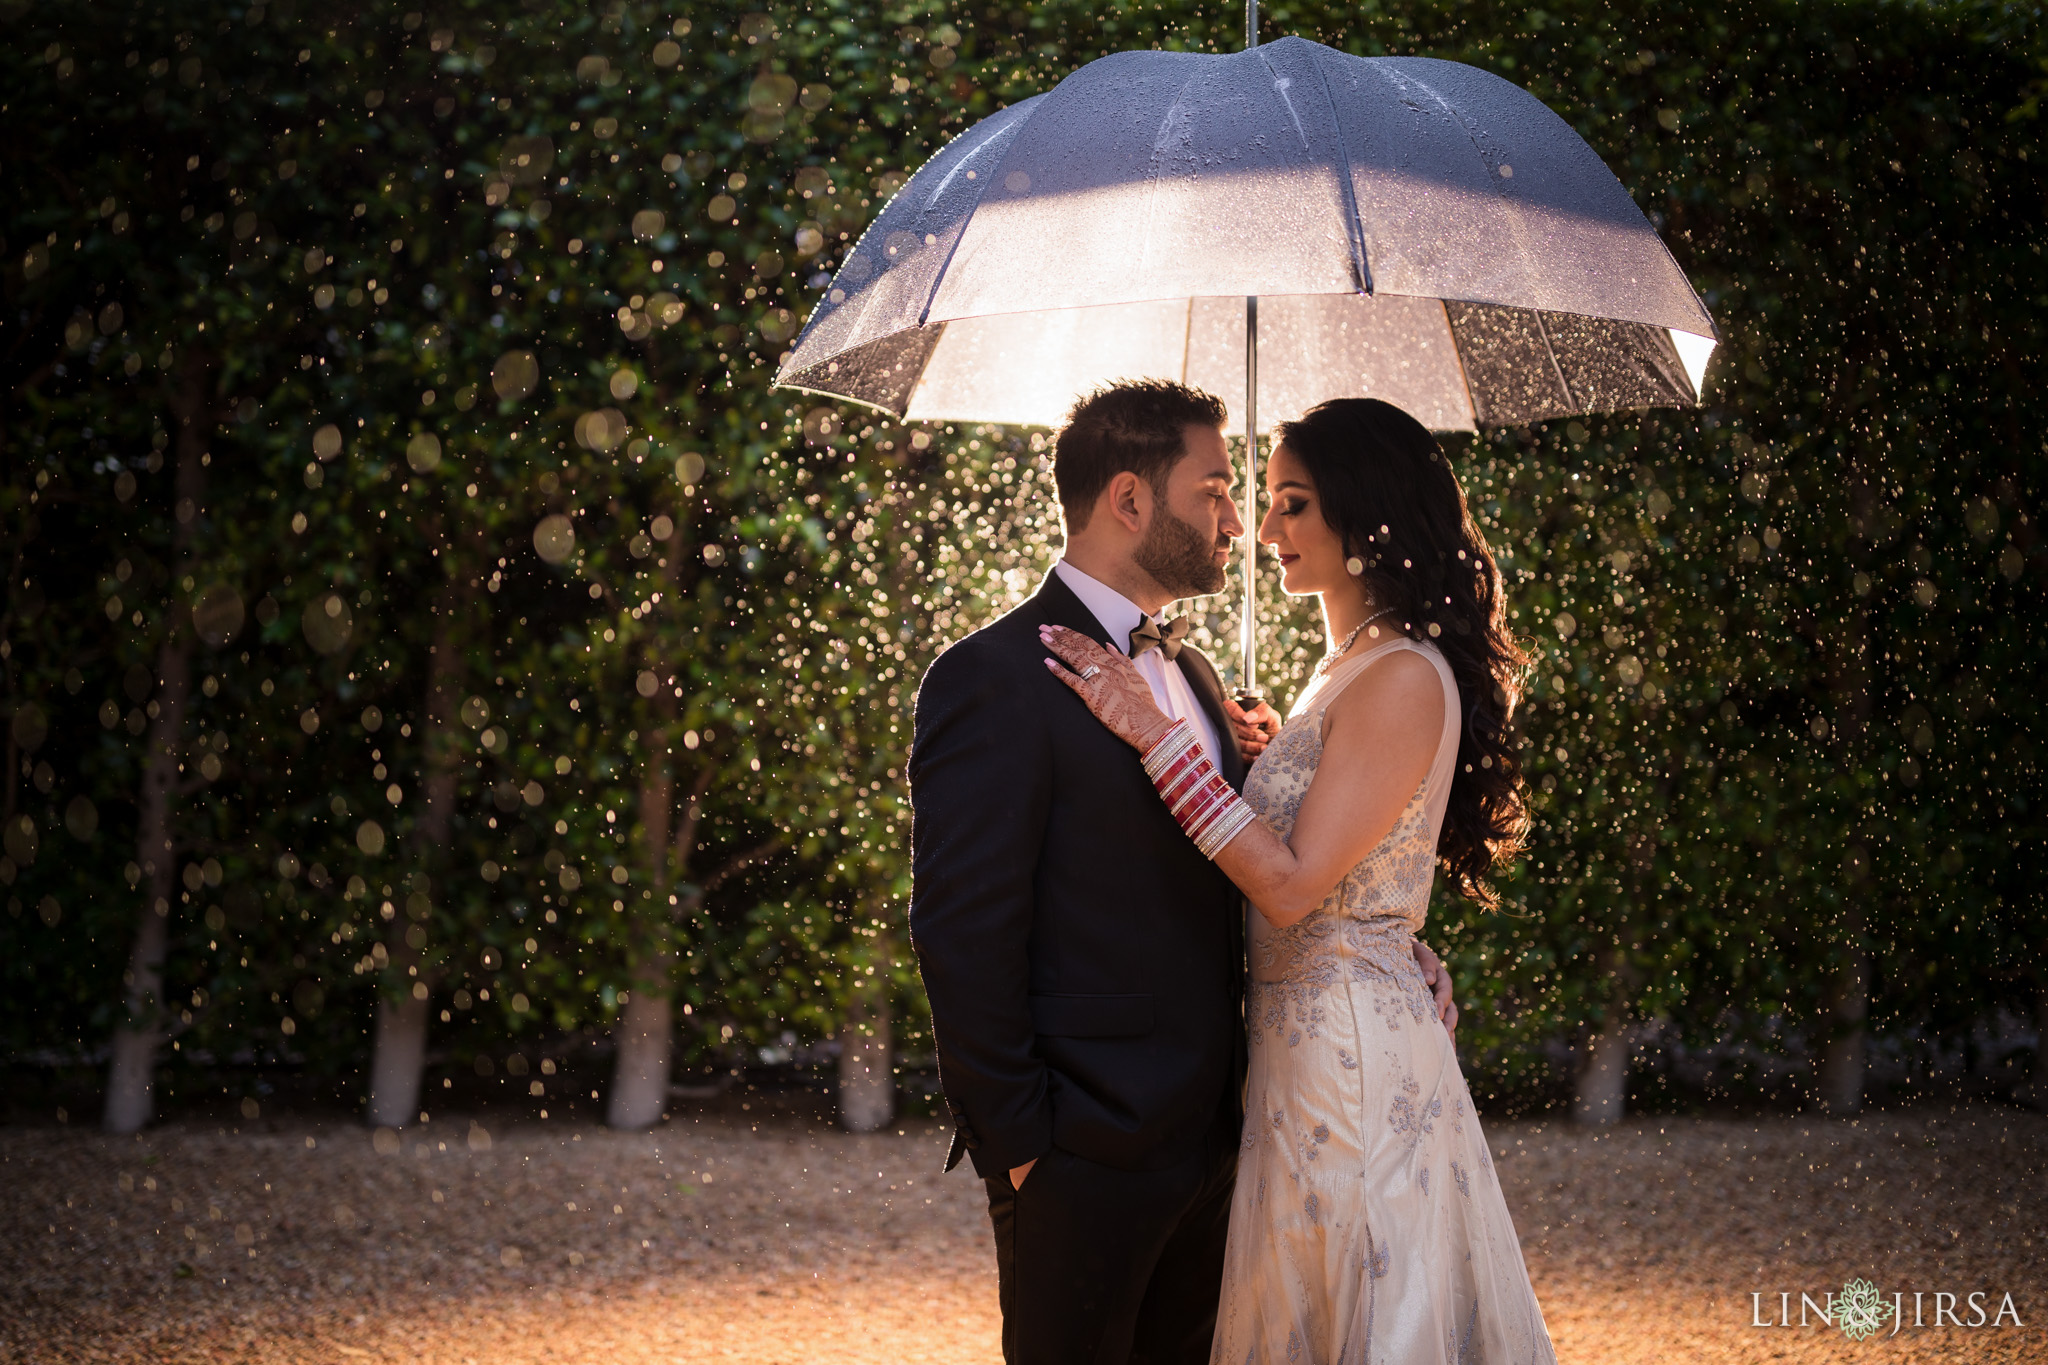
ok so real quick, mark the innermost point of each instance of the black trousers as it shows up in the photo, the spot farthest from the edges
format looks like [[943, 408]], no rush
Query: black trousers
[[1113, 1267]]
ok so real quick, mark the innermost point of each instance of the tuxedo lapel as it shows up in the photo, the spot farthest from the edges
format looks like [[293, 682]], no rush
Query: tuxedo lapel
[[1208, 690], [1062, 608]]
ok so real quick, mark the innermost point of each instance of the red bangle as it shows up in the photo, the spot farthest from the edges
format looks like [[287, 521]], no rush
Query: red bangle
[[1203, 804]]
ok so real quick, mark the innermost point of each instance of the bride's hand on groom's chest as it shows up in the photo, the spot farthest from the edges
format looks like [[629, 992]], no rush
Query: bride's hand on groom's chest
[[1107, 683]]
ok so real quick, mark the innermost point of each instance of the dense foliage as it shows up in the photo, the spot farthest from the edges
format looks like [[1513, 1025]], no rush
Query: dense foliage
[[396, 505]]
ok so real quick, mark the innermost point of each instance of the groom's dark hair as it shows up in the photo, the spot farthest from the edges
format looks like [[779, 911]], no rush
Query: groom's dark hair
[[1137, 425]]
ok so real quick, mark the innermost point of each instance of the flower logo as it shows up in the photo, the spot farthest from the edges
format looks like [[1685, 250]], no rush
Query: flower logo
[[1860, 1310]]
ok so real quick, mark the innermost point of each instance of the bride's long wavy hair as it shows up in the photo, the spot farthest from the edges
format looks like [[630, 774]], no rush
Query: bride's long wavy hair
[[1387, 490]]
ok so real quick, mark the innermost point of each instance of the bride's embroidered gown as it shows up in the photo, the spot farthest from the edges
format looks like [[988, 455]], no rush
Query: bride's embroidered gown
[[1368, 1223]]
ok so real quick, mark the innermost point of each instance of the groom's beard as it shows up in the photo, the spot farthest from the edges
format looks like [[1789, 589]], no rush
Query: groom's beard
[[1179, 558]]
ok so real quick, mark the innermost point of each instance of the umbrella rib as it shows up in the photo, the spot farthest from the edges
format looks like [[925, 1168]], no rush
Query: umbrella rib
[[924, 313], [1153, 165], [841, 397], [1354, 225], [1458, 359], [1280, 86], [1563, 384]]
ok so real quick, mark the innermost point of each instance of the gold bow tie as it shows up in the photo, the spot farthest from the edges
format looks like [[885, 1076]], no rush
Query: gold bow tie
[[1166, 637]]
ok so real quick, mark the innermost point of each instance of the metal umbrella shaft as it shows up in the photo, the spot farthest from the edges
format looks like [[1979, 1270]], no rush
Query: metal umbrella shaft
[[1248, 629], [1247, 634]]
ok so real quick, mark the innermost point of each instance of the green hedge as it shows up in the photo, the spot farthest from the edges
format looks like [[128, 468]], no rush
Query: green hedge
[[1783, 715]]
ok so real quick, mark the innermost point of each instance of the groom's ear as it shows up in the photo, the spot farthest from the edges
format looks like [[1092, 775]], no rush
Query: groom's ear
[[1129, 500]]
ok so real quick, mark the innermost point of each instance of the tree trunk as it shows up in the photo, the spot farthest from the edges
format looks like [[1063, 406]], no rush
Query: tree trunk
[[1602, 1085], [397, 1059], [1600, 1090], [646, 1031], [399, 1046], [1841, 1061], [645, 1036], [1847, 644], [131, 1077], [13, 700], [867, 1075], [131, 1074], [646, 1042]]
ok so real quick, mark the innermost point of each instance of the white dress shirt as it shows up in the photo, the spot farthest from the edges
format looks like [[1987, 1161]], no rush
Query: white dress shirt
[[1119, 616]]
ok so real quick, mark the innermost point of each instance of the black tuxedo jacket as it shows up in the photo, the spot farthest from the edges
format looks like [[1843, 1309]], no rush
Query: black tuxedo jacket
[[1083, 960]]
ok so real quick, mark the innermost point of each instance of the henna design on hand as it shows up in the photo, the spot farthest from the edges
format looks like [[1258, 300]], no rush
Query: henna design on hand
[[1114, 691]]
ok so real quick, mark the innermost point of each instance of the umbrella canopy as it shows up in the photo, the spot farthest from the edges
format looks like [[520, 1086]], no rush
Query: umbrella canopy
[[1416, 230]]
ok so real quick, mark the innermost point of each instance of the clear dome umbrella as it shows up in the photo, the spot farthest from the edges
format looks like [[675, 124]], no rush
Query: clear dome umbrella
[[1397, 227]]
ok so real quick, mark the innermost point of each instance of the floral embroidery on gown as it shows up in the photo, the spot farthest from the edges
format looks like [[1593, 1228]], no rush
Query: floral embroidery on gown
[[1368, 1223]]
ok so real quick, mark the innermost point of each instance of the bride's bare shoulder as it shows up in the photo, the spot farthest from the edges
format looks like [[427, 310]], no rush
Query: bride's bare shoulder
[[1399, 691]]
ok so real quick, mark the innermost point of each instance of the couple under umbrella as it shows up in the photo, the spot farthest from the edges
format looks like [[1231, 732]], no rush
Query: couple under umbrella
[[1186, 1030]]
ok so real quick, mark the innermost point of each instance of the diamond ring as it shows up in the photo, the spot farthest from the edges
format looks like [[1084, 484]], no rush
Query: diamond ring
[[1090, 671]]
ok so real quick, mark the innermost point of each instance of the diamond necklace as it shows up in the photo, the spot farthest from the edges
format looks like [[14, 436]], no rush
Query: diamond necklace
[[1329, 661]]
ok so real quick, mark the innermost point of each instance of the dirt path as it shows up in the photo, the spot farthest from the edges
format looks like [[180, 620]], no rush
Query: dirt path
[[719, 1238]]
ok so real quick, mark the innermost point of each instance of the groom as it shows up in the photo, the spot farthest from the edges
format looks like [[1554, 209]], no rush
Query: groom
[[1083, 960]]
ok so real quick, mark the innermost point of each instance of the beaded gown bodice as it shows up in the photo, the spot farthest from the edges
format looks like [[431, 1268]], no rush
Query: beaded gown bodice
[[1369, 917]]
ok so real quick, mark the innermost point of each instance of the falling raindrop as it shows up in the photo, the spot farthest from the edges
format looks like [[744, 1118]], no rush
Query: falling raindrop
[[30, 727], [515, 375], [217, 614], [82, 818], [554, 538], [22, 839], [423, 452], [327, 622]]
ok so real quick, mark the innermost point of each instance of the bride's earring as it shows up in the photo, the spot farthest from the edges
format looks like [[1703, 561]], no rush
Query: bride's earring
[[1356, 566]]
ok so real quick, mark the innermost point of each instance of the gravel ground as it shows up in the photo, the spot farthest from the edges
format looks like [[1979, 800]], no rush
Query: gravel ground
[[771, 1237]]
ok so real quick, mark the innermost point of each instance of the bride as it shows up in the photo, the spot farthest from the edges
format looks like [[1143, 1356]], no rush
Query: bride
[[1368, 1223]]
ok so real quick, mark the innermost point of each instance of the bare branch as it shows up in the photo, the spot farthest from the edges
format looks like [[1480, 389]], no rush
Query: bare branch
[[760, 853], [731, 868], [692, 814]]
